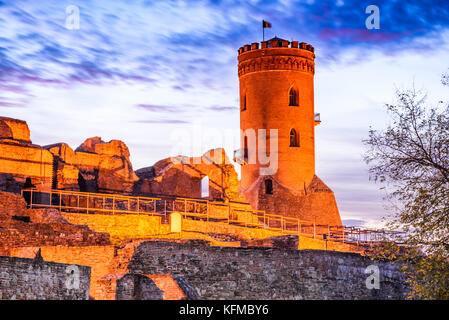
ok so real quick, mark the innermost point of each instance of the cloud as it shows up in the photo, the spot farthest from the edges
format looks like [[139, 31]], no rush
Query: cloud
[[201, 39], [223, 108], [5, 104], [156, 108], [162, 121]]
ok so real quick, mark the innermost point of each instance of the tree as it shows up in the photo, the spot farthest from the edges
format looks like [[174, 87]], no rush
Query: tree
[[411, 158]]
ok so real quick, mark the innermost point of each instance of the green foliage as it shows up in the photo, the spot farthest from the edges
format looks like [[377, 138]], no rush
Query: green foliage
[[411, 157], [427, 274]]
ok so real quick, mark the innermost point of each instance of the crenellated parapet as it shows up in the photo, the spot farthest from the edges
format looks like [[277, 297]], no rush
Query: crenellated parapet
[[276, 54]]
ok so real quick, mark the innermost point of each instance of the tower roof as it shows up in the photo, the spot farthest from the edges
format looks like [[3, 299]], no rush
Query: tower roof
[[276, 39]]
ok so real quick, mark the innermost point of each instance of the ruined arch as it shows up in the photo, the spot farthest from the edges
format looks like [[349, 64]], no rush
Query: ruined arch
[[205, 193]]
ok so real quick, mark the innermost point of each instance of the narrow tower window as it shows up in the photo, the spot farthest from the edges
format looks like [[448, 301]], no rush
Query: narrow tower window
[[293, 97], [294, 138], [269, 186], [245, 149], [244, 102]]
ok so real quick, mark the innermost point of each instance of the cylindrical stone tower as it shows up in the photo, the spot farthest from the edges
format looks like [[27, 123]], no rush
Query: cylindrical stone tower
[[276, 92]]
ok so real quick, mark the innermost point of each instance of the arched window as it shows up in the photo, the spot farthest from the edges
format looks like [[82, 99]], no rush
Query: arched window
[[244, 102], [293, 97], [269, 186], [294, 138]]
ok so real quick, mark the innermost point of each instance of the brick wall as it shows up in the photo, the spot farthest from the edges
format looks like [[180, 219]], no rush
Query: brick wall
[[267, 273], [30, 279]]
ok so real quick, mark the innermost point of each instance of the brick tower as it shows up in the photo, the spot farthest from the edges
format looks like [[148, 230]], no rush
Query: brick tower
[[277, 92]]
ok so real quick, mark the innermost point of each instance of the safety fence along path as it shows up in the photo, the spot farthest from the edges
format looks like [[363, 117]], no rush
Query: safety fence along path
[[233, 213]]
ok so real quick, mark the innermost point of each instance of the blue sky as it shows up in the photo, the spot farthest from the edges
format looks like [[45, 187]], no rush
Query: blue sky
[[148, 72]]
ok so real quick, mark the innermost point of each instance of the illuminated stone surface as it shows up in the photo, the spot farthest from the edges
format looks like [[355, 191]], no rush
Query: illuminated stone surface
[[267, 76]]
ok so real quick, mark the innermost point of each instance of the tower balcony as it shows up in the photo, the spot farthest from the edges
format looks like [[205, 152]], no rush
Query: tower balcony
[[239, 157], [317, 119]]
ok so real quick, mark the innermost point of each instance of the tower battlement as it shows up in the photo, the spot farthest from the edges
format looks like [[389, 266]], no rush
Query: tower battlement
[[276, 43], [276, 54]]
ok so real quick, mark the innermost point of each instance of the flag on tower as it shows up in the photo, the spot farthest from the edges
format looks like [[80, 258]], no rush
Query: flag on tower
[[266, 24]]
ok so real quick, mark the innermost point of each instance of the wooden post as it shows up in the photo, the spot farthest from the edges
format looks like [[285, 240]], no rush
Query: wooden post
[[314, 230]]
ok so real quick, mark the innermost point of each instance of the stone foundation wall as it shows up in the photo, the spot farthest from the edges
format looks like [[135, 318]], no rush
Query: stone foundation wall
[[30, 279], [267, 273], [316, 203]]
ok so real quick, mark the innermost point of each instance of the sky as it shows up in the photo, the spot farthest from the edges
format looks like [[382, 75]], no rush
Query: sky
[[162, 75]]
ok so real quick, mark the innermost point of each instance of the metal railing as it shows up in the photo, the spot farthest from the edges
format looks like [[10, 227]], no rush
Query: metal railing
[[86, 202], [232, 213]]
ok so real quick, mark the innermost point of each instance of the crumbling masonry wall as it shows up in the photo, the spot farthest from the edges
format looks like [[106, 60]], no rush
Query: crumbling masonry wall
[[31, 279], [268, 273]]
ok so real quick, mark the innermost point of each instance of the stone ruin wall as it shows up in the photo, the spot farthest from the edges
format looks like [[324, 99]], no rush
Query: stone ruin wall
[[191, 269], [31, 279], [110, 278], [14, 129], [268, 273], [98, 166], [181, 176], [95, 166], [21, 227]]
